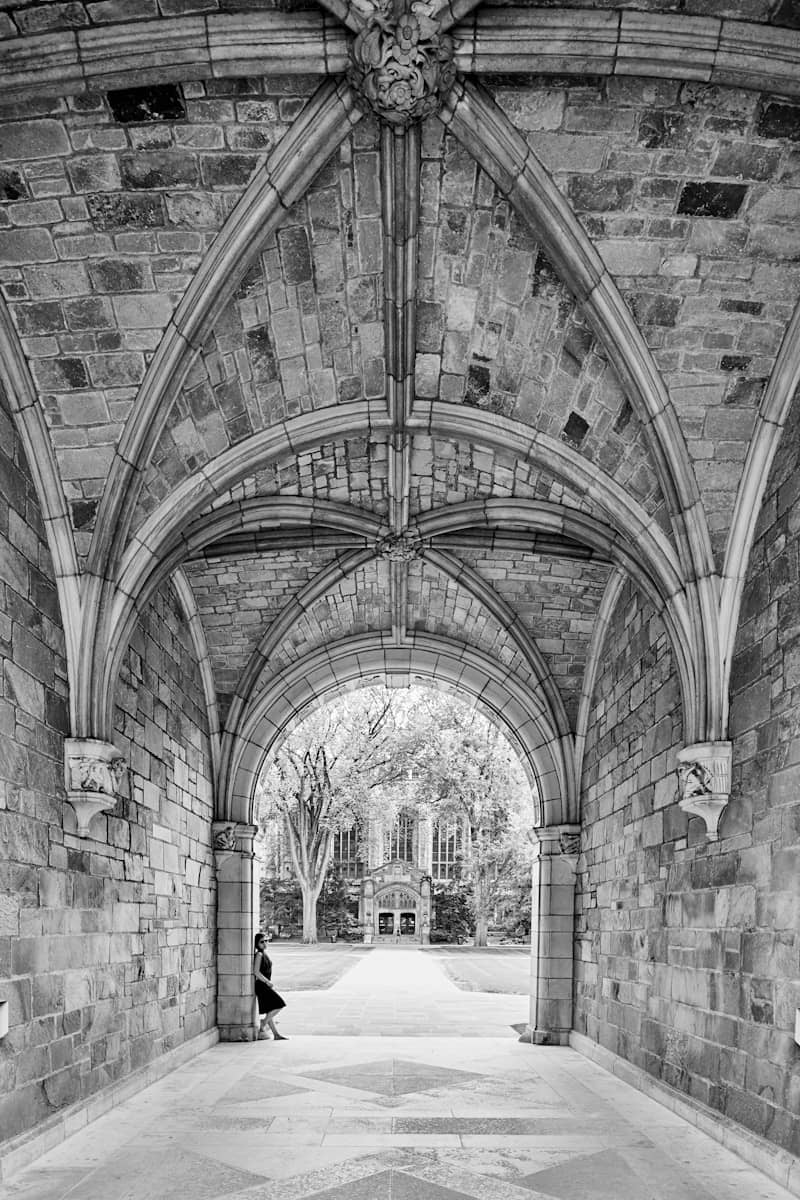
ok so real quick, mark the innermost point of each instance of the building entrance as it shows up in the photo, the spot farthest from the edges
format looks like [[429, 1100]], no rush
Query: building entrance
[[395, 904]]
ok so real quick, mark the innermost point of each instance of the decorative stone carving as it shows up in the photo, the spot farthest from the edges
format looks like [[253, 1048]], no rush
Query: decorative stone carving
[[93, 773], [225, 838], [401, 64], [399, 547], [569, 843], [704, 774]]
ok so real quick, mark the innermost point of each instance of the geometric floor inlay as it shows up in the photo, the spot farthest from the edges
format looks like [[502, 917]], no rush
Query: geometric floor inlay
[[393, 1076], [390, 1185], [602, 1176]]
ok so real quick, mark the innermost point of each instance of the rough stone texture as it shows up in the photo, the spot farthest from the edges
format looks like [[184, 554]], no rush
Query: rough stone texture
[[439, 606], [687, 952], [237, 600], [105, 226], [304, 331], [357, 604], [447, 471], [498, 331], [702, 288], [352, 470], [557, 602], [106, 945]]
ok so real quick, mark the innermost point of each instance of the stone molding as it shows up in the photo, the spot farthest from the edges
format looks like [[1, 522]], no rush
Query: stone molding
[[401, 63], [562, 41], [518, 709], [558, 841], [704, 774], [93, 772]]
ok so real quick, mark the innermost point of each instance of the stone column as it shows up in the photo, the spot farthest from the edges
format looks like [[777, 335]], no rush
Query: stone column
[[236, 927], [552, 932], [425, 844], [425, 911]]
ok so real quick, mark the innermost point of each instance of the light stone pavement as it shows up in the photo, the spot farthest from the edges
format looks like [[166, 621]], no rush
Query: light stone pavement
[[390, 1116]]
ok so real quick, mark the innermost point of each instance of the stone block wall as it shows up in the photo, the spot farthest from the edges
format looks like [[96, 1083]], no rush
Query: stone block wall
[[687, 951], [106, 942]]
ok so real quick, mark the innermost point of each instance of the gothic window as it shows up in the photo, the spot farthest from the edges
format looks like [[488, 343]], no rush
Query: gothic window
[[447, 847], [345, 853], [401, 838]]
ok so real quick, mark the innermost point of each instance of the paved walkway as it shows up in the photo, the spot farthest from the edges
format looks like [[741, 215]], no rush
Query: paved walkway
[[400, 991], [389, 1117]]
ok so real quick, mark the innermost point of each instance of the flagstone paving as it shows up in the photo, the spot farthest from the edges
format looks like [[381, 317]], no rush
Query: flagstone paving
[[388, 1117]]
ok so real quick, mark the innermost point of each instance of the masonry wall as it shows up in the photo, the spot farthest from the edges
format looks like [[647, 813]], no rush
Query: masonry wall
[[687, 951], [106, 942]]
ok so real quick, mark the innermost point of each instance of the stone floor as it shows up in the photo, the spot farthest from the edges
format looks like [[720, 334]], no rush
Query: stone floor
[[437, 1111]]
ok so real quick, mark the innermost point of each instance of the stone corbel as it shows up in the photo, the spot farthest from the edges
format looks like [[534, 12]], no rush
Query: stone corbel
[[704, 774], [93, 773], [229, 838]]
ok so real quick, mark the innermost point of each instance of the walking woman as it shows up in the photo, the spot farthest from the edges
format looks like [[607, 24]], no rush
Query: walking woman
[[269, 1002]]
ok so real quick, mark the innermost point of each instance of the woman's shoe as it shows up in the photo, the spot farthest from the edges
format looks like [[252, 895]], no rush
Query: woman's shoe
[[279, 1037], [262, 1036]]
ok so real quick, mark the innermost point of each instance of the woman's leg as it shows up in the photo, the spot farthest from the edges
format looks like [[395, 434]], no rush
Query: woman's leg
[[279, 1037]]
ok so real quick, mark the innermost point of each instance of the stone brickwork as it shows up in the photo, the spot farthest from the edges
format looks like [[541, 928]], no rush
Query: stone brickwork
[[711, 275], [440, 606], [357, 604], [557, 602], [237, 599], [353, 470], [106, 942], [687, 951], [450, 471], [497, 330], [103, 227], [305, 330]]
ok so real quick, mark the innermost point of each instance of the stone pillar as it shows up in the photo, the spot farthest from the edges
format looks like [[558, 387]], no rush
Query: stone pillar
[[236, 928], [425, 910], [552, 932], [704, 776], [93, 774], [369, 912], [425, 844]]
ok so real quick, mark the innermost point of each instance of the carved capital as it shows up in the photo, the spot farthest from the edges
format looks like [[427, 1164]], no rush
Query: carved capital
[[231, 837], [704, 777], [93, 774], [399, 547], [401, 64], [558, 841]]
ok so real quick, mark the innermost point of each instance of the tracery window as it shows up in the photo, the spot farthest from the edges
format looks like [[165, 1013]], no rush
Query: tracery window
[[346, 853], [447, 848], [401, 838]]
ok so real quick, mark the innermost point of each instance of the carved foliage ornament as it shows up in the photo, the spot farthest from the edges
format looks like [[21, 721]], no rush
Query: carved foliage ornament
[[401, 65], [399, 547], [93, 774]]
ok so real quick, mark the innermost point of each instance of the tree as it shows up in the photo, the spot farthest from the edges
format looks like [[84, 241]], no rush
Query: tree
[[320, 780], [468, 769]]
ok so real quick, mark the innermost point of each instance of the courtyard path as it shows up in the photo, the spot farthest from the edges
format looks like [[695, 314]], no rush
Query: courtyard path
[[399, 991]]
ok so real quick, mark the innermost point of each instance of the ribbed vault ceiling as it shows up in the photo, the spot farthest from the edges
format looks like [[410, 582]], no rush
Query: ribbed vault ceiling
[[394, 389]]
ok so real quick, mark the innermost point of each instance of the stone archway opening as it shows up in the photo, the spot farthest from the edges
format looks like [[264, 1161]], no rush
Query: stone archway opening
[[395, 816]]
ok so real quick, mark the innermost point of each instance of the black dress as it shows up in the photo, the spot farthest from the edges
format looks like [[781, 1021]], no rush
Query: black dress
[[268, 999]]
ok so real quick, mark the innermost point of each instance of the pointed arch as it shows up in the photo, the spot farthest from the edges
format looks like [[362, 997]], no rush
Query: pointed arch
[[26, 413], [783, 387], [294, 691], [483, 128]]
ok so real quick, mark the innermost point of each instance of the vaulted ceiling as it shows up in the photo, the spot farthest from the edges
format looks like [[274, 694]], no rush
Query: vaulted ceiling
[[400, 399]]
